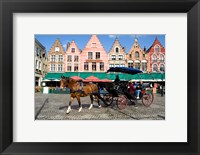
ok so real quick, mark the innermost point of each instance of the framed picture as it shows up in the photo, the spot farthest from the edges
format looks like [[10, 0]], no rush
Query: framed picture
[[24, 127]]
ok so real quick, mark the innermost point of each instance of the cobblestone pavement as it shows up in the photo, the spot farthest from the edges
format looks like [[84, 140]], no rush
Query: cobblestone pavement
[[55, 109]]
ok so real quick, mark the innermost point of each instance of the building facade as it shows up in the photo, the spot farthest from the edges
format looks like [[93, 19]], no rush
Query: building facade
[[157, 57], [40, 62], [72, 57], [93, 58], [137, 57], [117, 55], [56, 58]]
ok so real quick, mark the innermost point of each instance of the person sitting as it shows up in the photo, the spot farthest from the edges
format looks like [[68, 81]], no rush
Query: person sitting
[[131, 88], [138, 90]]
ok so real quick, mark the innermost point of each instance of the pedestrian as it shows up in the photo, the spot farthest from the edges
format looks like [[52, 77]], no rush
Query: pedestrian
[[161, 90]]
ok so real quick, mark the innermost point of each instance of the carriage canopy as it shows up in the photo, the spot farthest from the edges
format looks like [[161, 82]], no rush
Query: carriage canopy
[[124, 70]]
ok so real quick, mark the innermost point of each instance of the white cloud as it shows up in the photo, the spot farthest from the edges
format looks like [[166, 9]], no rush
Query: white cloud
[[112, 36]]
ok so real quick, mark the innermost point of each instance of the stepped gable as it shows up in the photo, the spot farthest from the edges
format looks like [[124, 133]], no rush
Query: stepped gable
[[117, 43], [57, 43]]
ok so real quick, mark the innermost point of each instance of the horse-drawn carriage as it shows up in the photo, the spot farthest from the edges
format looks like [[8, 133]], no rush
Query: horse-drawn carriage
[[120, 93], [116, 91]]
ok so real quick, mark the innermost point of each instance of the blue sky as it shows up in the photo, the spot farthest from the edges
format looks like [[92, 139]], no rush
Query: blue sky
[[107, 40]]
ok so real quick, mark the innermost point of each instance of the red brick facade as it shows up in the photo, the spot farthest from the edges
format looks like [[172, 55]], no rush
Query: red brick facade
[[157, 57]]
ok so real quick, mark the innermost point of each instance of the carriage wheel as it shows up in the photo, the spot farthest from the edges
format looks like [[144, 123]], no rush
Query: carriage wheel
[[108, 99], [122, 101], [147, 99]]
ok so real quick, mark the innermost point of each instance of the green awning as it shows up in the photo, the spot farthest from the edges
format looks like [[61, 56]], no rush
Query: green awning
[[110, 76]]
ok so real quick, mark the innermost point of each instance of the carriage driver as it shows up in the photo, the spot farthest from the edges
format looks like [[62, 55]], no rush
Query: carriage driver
[[117, 80]]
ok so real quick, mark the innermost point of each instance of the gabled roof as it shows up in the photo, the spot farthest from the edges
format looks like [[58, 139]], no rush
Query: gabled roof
[[114, 43], [95, 39], [57, 43], [73, 44], [156, 41]]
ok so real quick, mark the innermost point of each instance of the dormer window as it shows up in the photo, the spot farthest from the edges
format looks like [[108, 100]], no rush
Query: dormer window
[[136, 54], [94, 45], [157, 49], [57, 49], [116, 49], [72, 50]]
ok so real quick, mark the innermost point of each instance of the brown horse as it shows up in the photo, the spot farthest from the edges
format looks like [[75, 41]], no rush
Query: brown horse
[[77, 91]]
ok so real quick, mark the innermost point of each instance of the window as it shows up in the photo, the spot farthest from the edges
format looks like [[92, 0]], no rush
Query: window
[[90, 55], [39, 66], [93, 44], [60, 58], [162, 68], [154, 58], [102, 66], [120, 57], [130, 65], [69, 58], [155, 68], [143, 55], [57, 49], [116, 65], [60, 67], [69, 68], [36, 64], [136, 54], [144, 66], [137, 65], [72, 50], [111, 65], [76, 58], [86, 66], [113, 57], [75, 67], [130, 55], [116, 49], [94, 66], [37, 52], [162, 59], [53, 58], [157, 49], [97, 55], [53, 67]]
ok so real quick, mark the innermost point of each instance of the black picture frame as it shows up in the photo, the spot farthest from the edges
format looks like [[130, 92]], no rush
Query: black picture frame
[[8, 7]]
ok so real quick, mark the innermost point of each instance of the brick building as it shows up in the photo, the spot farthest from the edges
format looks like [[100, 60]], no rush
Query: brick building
[[72, 57], [137, 57], [117, 55], [93, 58], [56, 58], [157, 57], [40, 62]]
